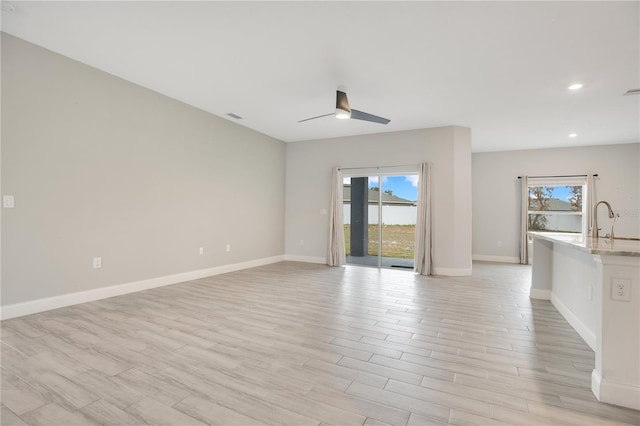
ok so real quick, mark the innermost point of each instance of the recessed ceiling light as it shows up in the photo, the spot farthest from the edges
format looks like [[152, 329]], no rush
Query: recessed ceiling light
[[573, 135], [575, 86]]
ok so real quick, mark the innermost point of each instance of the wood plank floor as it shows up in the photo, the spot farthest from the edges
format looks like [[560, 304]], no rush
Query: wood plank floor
[[302, 344]]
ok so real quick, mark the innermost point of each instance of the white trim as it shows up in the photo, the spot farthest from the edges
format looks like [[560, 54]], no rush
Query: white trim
[[587, 335], [557, 212], [305, 259], [616, 393], [55, 302], [452, 272], [408, 169], [596, 381], [558, 181], [500, 259], [542, 294]]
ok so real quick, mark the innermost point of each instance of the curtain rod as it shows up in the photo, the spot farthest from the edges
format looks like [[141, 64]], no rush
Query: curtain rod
[[594, 175], [376, 167]]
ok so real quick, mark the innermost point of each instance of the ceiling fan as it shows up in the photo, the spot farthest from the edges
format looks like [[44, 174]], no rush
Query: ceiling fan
[[343, 111]]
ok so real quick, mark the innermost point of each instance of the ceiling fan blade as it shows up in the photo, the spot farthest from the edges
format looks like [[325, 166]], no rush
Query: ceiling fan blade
[[359, 115], [320, 116], [341, 101]]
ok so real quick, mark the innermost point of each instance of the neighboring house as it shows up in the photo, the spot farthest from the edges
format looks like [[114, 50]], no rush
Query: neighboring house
[[565, 220], [395, 210], [554, 205]]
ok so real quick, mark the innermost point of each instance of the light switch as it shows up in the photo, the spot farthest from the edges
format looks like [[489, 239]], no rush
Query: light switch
[[8, 202]]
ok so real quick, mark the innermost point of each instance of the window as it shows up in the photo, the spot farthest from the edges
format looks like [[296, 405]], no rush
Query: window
[[556, 206]]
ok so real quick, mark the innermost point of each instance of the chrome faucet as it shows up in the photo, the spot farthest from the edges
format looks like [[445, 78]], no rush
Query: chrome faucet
[[594, 234]]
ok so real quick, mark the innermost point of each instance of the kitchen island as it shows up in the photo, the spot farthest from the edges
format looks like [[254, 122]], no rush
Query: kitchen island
[[595, 285]]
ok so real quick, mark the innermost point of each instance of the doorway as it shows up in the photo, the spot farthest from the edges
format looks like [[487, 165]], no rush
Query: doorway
[[379, 214]]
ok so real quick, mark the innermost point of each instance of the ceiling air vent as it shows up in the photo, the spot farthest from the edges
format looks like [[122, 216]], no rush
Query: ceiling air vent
[[232, 115], [632, 92]]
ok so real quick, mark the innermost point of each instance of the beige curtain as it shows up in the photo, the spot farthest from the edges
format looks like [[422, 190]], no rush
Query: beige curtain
[[423, 248], [335, 253], [524, 219], [590, 201]]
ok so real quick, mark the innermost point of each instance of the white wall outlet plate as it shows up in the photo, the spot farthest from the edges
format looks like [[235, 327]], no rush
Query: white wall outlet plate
[[228, 247], [97, 262], [621, 289], [201, 250], [8, 202]]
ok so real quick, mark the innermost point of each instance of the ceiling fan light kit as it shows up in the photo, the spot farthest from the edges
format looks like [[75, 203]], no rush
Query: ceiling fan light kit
[[344, 111], [342, 114]]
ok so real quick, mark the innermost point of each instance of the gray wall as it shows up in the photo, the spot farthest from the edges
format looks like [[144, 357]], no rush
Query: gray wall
[[308, 180], [496, 190], [102, 167]]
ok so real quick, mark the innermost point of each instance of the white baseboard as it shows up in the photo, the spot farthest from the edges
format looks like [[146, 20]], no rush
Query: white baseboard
[[616, 393], [306, 259], [452, 272], [587, 335], [55, 302], [596, 380], [500, 259], [536, 293]]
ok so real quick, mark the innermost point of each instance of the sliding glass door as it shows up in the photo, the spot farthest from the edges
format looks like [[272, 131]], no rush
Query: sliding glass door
[[379, 213]]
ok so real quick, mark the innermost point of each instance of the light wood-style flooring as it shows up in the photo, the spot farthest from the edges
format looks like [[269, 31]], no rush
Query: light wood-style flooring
[[303, 344]]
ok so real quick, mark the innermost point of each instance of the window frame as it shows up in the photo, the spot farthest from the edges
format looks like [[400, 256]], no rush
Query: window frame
[[562, 181]]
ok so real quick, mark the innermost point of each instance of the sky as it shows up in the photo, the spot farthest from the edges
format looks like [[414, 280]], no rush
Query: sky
[[561, 193], [402, 186]]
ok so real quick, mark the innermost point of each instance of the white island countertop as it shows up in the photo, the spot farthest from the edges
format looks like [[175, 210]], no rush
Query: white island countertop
[[619, 247]]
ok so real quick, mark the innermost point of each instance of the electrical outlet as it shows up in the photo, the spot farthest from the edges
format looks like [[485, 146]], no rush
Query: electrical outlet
[[201, 250], [228, 248], [97, 262], [8, 202], [301, 242], [621, 289]]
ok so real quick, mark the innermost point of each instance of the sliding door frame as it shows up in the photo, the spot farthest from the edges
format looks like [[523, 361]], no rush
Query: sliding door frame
[[380, 172]]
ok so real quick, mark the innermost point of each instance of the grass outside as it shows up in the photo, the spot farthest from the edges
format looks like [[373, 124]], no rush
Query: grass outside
[[397, 240]]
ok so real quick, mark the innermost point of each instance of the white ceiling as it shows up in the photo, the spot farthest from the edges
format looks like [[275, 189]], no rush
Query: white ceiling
[[500, 68]]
